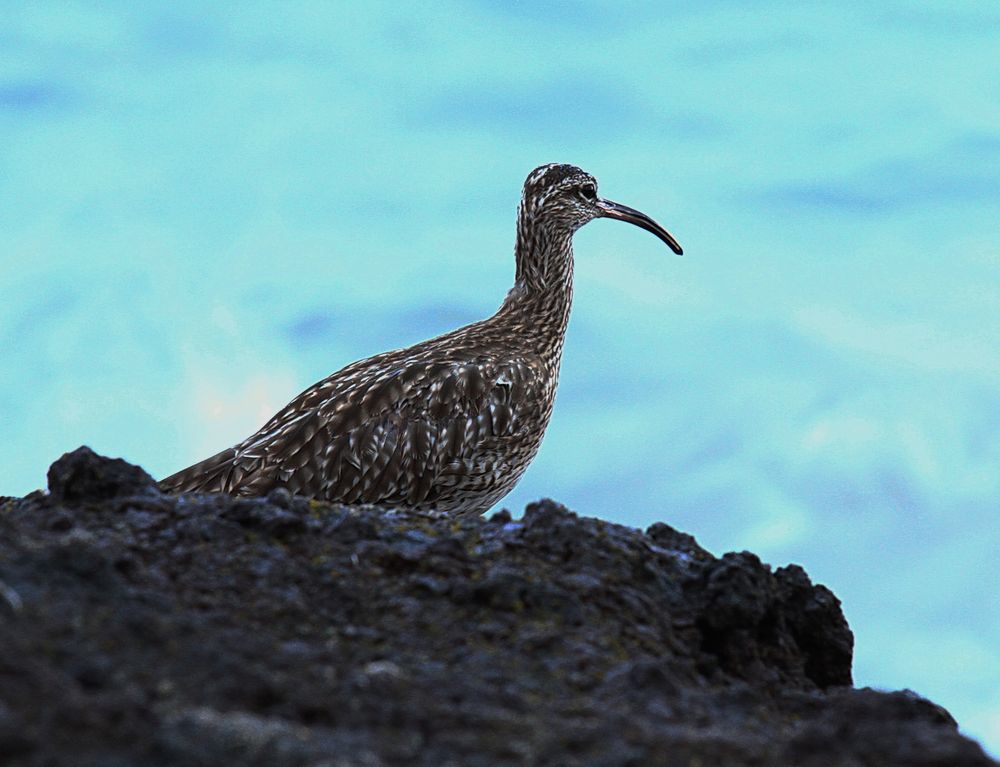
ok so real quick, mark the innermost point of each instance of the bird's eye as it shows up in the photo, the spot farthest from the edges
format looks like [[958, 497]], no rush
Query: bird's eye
[[589, 191]]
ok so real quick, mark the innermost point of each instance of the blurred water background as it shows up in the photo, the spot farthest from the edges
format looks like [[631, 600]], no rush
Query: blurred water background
[[206, 207]]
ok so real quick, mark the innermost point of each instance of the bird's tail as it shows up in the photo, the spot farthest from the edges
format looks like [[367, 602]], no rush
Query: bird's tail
[[213, 475]]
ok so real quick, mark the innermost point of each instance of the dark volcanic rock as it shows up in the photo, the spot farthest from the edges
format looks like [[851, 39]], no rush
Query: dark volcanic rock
[[85, 476], [144, 629]]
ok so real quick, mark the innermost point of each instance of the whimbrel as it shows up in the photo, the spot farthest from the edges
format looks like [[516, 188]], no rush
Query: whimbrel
[[451, 423]]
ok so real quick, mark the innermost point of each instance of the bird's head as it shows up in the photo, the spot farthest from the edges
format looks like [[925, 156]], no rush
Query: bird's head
[[562, 198]]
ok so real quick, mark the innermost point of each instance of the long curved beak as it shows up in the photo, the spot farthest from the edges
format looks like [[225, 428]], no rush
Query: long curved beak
[[611, 209]]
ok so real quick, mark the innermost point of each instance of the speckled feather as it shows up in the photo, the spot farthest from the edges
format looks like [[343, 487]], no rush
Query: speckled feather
[[449, 424]]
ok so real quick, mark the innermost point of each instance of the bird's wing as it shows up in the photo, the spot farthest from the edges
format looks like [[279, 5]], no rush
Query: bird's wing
[[217, 474], [383, 439]]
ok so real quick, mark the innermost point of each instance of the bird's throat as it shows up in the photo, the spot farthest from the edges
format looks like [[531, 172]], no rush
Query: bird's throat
[[542, 295], [544, 260]]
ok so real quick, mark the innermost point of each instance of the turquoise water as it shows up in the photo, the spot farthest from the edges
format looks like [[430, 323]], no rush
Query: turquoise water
[[202, 211]]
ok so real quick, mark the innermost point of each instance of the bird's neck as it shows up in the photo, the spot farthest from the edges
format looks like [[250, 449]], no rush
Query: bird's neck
[[542, 295]]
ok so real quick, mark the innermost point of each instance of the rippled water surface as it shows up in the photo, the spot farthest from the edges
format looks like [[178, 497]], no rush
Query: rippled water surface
[[202, 211]]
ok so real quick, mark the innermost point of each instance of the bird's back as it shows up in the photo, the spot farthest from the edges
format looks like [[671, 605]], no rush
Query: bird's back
[[449, 424]]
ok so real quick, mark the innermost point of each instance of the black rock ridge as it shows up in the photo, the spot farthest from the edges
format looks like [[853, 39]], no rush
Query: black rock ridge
[[138, 628]]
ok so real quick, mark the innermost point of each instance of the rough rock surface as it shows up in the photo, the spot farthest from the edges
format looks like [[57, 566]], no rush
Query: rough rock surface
[[143, 629]]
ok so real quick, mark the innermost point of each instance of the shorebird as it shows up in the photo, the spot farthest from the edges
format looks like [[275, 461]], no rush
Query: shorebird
[[452, 423]]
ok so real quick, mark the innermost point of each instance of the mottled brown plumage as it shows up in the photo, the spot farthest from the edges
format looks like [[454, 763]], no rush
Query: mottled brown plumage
[[451, 423]]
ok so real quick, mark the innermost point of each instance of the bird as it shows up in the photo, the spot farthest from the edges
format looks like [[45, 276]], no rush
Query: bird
[[450, 424]]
